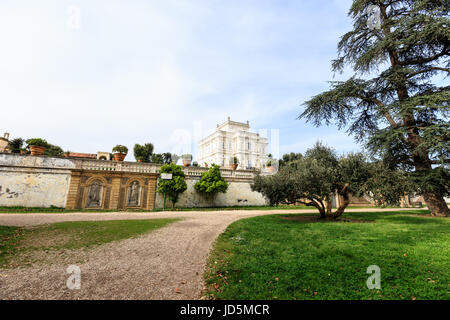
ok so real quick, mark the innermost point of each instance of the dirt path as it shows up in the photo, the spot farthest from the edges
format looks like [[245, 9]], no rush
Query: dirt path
[[165, 264]]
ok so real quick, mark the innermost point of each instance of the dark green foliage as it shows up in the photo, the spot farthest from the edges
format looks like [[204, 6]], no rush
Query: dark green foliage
[[211, 182], [289, 158], [386, 186], [157, 158], [15, 145], [402, 112], [53, 151], [167, 157], [321, 173], [161, 158], [120, 149], [174, 187], [37, 142], [144, 152]]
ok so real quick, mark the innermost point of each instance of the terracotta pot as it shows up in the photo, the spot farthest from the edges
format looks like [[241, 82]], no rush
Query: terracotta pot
[[234, 166], [271, 169], [66, 155], [37, 150], [206, 165], [119, 156], [186, 162], [23, 151], [139, 160]]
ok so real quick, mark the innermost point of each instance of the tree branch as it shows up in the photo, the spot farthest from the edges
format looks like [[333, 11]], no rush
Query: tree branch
[[444, 52], [427, 70]]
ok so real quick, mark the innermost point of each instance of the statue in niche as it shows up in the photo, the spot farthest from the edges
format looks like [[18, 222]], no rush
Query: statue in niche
[[95, 194], [134, 194]]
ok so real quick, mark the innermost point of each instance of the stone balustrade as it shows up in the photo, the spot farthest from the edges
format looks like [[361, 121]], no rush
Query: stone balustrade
[[102, 165]]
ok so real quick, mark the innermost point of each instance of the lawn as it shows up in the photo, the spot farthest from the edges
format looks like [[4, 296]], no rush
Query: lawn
[[270, 257], [70, 235], [19, 209]]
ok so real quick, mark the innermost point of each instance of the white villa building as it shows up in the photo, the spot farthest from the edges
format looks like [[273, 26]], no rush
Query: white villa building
[[233, 139]]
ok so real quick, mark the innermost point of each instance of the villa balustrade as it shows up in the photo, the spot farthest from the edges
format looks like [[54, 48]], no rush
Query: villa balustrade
[[102, 165]]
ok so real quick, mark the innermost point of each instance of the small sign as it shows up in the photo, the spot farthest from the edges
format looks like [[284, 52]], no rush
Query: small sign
[[166, 176]]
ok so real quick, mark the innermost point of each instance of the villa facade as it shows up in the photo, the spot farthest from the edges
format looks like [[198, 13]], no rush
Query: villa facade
[[233, 139]]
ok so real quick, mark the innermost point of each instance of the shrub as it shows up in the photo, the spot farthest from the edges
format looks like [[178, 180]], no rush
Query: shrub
[[120, 149], [144, 152], [211, 183], [234, 160], [15, 145], [53, 150], [38, 142], [156, 158]]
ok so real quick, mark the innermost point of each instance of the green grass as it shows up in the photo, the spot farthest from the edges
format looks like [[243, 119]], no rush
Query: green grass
[[270, 257], [19, 209], [62, 210], [71, 235]]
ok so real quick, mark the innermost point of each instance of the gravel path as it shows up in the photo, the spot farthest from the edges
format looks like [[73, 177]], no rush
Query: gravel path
[[165, 264]]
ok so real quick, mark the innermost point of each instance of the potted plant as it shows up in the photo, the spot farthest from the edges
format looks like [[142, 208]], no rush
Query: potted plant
[[23, 151], [206, 165], [234, 162], [37, 146], [67, 153], [120, 152], [195, 164], [187, 159]]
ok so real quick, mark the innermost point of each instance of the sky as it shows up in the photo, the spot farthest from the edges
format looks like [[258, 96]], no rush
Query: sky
[[88, 75]]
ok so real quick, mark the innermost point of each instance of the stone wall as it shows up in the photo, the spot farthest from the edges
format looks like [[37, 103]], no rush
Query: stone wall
[[34, 181], [42, 181], [239, 193]]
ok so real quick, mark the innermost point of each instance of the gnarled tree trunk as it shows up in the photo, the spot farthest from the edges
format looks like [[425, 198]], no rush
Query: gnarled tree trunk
[[436, 203]]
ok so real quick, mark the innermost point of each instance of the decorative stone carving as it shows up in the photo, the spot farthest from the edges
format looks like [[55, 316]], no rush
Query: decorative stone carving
[[134, 194], [94, 197]]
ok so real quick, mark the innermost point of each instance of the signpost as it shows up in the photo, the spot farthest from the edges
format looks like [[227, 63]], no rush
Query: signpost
[[165, 176]]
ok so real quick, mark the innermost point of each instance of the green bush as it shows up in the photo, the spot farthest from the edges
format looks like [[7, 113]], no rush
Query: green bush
[[54, 151], [15, 145], [174, 187], [120, 149], [38, 142], [211, 183], [144, 152]]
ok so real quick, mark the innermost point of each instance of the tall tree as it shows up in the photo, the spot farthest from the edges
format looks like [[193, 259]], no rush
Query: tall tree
[[402, 112]]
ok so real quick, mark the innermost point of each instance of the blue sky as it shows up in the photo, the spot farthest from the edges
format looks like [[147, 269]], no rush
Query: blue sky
[[167, 71]]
